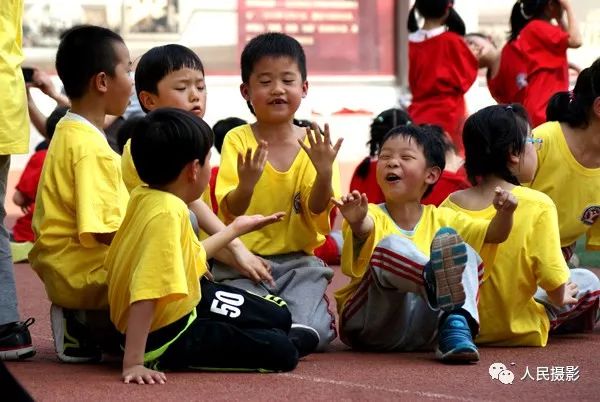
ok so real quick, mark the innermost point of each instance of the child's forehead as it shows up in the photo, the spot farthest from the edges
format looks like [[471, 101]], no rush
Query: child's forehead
[[183, 72], [272, 63], [401, 142]]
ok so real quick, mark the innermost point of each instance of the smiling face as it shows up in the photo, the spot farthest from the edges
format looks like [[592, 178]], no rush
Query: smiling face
[[402, 171], [182, 89], [275, 89]]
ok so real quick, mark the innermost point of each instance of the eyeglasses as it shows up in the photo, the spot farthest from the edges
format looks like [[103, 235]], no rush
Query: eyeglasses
[[537, 142]]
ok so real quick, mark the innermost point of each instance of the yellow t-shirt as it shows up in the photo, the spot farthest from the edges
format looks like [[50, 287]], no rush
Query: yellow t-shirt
[[132, 179], [80, 192], [356, 261], [155, 255], [300, 229], [14, 120], [530, 257], [574, 189]]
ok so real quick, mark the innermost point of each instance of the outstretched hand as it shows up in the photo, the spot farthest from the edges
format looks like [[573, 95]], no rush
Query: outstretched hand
[[571, 291], [353, 206], [247, 223], [322, 152], [251, 166], [139, 374], [504, 201]]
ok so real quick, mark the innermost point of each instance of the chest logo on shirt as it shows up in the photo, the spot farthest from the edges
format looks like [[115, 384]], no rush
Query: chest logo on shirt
[[297, 203], [590, 215], [521, 80]]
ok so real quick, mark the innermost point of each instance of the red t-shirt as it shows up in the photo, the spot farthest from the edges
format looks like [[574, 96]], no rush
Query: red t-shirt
[[448, 183], [27, 185], [441, 70], [510, 82], [213, 184], [545, 47], [368, 185]]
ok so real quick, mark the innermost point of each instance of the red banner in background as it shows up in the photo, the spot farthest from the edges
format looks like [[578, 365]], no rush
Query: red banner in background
[[347, 37]]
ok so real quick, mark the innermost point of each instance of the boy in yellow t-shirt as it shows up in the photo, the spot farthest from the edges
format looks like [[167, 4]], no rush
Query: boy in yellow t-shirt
[[413, 281], [527, 289], [81, 198], [173, 76], [274, 165], [172, 316]]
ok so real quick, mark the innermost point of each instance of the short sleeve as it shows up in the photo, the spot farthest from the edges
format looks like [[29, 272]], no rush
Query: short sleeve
[[464, 65], [159, 272], [99, 197], [131, 178], [593, 237], [227, 178], [549, 264], [551, 37], [472, 230]]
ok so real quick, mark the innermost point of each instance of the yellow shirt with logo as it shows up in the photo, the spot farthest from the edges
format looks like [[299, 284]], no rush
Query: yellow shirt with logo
[[131, 178], [574, 189], [530, 257], [14, 120], [300, 229], [155, 256], [356, 257], [80, 193]]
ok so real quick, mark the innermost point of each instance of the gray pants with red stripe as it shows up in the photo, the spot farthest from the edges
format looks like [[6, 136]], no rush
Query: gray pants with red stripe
[[588, 295], [389, 310], [301, 280]]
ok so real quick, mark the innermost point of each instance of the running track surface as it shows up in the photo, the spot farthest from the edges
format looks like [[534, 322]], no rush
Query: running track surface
[[339, 374]]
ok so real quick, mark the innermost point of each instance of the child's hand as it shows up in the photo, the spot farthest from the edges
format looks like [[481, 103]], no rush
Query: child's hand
[[139, 374], [247, 223], [253, 267], [250, 167], [504, 201], [571, 291], [321, 152], [353, 206]]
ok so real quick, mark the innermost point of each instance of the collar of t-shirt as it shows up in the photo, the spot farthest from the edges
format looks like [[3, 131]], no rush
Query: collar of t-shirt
[[405, 232], [77, 117], [423, 34]]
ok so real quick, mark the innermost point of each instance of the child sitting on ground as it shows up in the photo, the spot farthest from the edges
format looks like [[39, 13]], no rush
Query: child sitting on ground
[[81, 198], [513, 310], [413, 281], [173, 76], [172, 316], [274, 165]]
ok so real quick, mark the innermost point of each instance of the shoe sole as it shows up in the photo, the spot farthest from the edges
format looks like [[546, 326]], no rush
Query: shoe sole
[[448, 260], [17, 354], [58, 333], [458, 356]]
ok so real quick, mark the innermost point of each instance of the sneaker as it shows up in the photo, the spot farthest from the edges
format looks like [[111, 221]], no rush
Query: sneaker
[[72, 339], [305, 339], [15, 340], [443, 273], [455, 342]]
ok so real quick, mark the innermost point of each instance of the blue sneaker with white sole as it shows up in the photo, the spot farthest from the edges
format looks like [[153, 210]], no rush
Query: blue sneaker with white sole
[[455, 342], [443, 273]]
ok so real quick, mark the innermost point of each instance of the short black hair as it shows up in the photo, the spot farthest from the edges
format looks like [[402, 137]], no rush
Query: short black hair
[[430, 143], [53, 120], [167, 139], [490, 136], [160, 61], [126, 130], [83, 52], [223, 126], [272, 44]]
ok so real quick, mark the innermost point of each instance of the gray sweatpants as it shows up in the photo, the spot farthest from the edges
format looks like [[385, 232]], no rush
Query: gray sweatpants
[[301, 280], [587, 296], [389, 310], [8, 293]]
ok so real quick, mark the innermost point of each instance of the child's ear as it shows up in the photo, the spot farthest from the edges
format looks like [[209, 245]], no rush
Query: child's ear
[[596, 107], [147, 100], [433, 175], [245, 91], [304, 89], [193, 169], [100, 82], [513, 161]]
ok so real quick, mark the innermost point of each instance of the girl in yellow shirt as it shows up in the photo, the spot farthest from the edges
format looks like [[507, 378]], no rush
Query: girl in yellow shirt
[[527, 287]]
